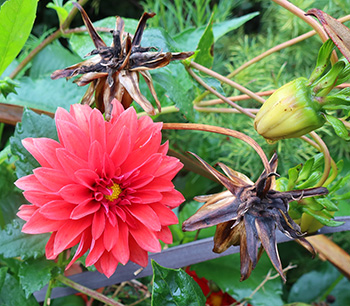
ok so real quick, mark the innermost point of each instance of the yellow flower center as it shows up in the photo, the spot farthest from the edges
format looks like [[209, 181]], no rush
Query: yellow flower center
[[115, 194]]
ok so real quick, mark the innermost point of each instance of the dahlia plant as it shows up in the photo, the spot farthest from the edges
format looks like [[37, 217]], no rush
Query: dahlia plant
[[98, 188]]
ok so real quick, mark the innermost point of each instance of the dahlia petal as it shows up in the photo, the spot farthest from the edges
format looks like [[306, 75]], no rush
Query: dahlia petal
[[72, 138], [107, 264], [148, 167], [57, 210], [40, 198], [165, 235], [110, 236], [94, 157], [169, 168], [163, 149], [68, 232], [53, 179], [86, 177], [128, 118], [75, 193], [159, 184], [137, 254], [172, 199], [166, 215], [98, 224], [147, 131], [145, 238], [43, 150], [148, 196], [108, 167], [70, 163], [63, 115], [141, 181], [96, 250], [81, 114], [49, 247], [85, 242], [117, 110], [97, 128], [121, 250], [38, 224], [25, 212], [84, 209], [122, 147], [146, 215], [30, 182]]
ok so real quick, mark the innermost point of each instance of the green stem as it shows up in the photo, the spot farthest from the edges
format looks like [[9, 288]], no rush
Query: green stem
[[48, 293], [330, 289], [92, 293], [165, 110]]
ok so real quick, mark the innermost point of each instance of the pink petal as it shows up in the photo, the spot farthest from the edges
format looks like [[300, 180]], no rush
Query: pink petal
[[57, 210], [148, 196], [96, 250], [110, 236], [108, 167], [40, 198], [84, 209], [97, 128], [62, 114], [107, 264], [72, 138], [30, 182], [81, 113], [43, 150], [163, 149], [121, 250], [145, 238], [172, 199], [141, 181], [159, 184], [169, 168], [53, 179], [26, 211], [38, 224], [94, 156], [49, 247], [98, 224], [127, 118], [137, 254], [146, 215], [69, 232], [165, 214], [121, 148], [70, 163], [117, 110], [165, 235], [85, 242], [86, 177], [75, 193]]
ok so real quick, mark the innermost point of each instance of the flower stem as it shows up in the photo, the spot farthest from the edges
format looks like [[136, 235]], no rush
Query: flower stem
[[48, 293], [165, 110], [223, 131], [327, 159], [92, 293], [206, 86]]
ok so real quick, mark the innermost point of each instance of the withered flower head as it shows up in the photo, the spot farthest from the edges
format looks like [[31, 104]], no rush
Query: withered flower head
[[247, 214], [113, 71]]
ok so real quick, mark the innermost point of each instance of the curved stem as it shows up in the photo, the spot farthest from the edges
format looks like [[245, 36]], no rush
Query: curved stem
[[227, 81], [327, 159], [223, 131], [223, 110], [206, 86], [94, 294]]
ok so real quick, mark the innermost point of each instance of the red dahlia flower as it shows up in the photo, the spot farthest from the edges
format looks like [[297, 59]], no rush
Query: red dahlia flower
[[105, 186]]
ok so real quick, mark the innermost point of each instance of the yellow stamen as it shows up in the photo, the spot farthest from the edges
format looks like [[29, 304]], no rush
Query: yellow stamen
[[115, 194]]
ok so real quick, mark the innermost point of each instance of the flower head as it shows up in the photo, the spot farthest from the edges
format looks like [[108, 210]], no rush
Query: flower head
[[105, 186], [247, 214], [113, 71]]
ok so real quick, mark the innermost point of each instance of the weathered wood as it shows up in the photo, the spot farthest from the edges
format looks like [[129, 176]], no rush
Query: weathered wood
[[175, 257]]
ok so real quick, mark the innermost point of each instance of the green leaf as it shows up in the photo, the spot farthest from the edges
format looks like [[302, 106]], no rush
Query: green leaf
[[225, 272], [82, 44], [327, 204], [159, 38], [311, 181], [14, 243], [32, 125], [3, 272], [305, 171], [46, 94], [204, 55], [174, 287], [71, 300], [34, 274], [188, 39], [61, 10], [7, 86], [11, 293], [293, 174], [338, 126], [322, 218], [16, 22]]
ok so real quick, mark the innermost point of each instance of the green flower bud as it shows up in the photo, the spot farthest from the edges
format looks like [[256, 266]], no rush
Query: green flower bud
[[290, 112]]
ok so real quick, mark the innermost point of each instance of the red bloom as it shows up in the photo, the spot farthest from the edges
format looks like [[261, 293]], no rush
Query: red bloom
[[105, 186]]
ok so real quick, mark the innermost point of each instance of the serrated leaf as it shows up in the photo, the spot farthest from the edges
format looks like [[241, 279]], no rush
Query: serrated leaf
[[14, 243], [16, 22], [11, 293], [188, 39], [225, 272], [174, 287], [32, 125], [34, 274], [338, 126], [204, 55], [322, 218]]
